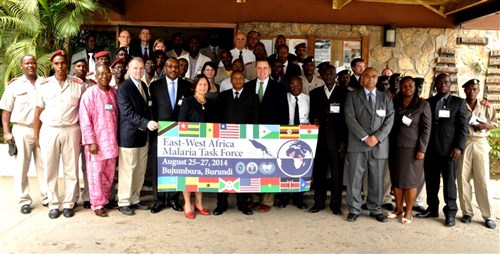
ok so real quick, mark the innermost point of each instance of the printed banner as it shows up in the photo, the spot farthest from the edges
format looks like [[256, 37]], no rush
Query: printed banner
[[232, 158]]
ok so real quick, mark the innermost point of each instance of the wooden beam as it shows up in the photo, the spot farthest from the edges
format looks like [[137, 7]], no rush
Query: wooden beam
[[461, 5], [426, 5], [338, 4], [477, 11], [163, 24]]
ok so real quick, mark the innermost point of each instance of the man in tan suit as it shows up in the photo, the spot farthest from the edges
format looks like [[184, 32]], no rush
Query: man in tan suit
[[17, 107], [57, 104]]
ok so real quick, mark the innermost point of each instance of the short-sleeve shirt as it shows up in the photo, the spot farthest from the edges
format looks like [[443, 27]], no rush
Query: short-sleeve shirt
[[19, 99], [60, 104]]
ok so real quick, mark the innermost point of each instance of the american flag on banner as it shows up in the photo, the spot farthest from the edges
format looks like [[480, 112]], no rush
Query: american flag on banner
[[228, 130], [249, 184]]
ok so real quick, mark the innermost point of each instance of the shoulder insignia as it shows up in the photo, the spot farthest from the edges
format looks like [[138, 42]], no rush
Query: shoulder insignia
[[77, 80], [93, 81], [44, 80], [12, 80], [486, 103], [90, 74]]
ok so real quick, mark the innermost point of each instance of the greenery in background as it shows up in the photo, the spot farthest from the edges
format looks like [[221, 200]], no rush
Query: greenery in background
[[39, 27], [494, 141]]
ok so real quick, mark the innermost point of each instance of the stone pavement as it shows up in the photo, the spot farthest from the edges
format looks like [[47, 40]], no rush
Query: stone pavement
[[286, 230]]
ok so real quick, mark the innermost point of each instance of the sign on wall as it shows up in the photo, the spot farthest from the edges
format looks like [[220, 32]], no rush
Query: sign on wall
[[218, 157]]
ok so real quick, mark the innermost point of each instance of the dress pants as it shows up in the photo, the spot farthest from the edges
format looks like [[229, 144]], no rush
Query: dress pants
[[241, 200], [474, 165], [358, 164], [387, 185], [57, 143], [26, 147], [263, 198], [434, 166], [131, 168], [328, 161], [85, 192]]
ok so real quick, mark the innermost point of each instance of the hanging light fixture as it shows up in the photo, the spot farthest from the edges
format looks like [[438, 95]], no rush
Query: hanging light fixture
[[390, 35]]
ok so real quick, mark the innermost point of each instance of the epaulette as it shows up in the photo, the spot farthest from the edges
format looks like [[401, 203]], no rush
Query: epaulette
[[93, 81], [486, 103], [12, 80], [77, 80], [90, 74], [43, 80]]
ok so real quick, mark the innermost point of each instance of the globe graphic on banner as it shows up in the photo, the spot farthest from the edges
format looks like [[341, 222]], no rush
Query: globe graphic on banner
[[295, 158]]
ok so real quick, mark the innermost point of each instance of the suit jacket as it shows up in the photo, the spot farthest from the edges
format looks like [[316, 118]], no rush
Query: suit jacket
[[417, 134], [136, 50], [202, 59], [246, 111], [292, 70], [332, 126], [134, 115], [354, 83], [362, 121], [206, 51], [161, 106], [273, 109], [448, 133]]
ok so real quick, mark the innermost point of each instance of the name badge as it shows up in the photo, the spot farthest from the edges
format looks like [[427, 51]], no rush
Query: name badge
[[381, 112], [150, 103], [179, 103], [407, 121], [334, 108], [444, 113], [108, 107]]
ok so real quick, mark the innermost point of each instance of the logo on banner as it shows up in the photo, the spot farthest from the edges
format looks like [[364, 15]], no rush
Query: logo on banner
[[295, 158]]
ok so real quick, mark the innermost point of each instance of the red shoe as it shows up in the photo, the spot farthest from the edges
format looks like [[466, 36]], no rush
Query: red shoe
[[189, 215], [201, 211]]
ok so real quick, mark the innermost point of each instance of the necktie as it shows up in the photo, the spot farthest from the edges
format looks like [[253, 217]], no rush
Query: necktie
[[214, 52], [141, 91], [171, 93], [145, 52], [372, 100], [261, 90], [282, 72], [296, 117], [241, 55], [439, 106], [236, 97], [91, 62]]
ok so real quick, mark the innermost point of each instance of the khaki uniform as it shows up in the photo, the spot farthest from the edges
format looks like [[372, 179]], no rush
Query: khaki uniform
[[60, 136], [474, 165], [85, 193], [19, 99], [308, 86]]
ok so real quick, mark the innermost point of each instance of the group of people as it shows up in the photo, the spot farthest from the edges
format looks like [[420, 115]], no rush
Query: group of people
[[376, 134]]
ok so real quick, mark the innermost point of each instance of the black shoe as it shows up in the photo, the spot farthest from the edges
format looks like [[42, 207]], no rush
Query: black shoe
[[68, 212], [220, 210], [300, 205], [364, 207], [388, 206], [427, 214], [25, 209], [466, 218], [157, 207], [140, 206], [111, 205], [336, 211], [86, 204], [418, 209], [351, 217], [175, 205], [379, 217], [125, 210], [245, 210], [46, 204], [316, 208], [54, 213], [450, 221], [490, 224], [282, 203]]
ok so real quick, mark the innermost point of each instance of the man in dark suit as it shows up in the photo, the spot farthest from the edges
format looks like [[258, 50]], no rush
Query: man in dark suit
[[447, 141], [369, 116], [327, 111], [144, 49], [273, 109], [134, 114], [357, 67], [241, 106], [290, 69], [166, 95]]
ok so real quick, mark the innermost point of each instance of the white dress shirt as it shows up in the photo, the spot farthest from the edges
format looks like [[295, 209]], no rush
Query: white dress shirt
[[248, 55], [303, 108]]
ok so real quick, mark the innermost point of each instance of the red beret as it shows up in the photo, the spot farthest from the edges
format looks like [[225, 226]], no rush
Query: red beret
[[57, 53], [101, 54], [301, 45], [117, 61]]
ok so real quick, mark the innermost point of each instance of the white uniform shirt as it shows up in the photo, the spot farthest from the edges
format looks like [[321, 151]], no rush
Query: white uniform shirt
[[19, 99]]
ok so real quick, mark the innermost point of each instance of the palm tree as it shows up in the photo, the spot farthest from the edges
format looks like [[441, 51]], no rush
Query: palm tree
[[39, 27]]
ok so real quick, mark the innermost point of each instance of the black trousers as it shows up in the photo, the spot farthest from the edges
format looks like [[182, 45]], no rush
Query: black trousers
[[434, 167], [241, 200], [328, 160]]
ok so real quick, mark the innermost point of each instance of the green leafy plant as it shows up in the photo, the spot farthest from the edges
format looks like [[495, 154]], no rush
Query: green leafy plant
[[494, 141]]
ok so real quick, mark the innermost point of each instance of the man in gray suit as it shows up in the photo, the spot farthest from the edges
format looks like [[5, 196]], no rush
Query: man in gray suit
[[369, 115]]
